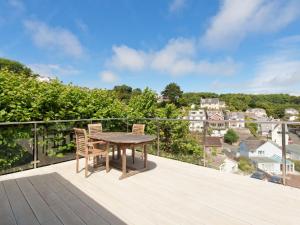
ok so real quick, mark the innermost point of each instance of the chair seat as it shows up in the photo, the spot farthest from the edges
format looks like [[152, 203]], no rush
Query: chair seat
[[96, 151]]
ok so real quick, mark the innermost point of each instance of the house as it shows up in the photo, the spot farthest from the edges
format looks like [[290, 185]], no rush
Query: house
[[213, 143], [256, 113], [265, 127], [229, 166], [44, 79], [196, 118], [212, 103], [276, 135], [291, 112], [266, 155], [236, 119], [273, 165], [214, 116], [293, 151], [248, 148]]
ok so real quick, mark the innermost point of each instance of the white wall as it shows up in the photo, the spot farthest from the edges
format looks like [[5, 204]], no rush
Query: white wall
[[266, 150]]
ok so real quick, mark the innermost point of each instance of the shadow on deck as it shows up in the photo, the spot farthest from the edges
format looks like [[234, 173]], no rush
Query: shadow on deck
[[51, 200]]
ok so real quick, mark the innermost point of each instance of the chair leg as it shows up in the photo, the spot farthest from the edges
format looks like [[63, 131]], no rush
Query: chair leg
[[77, 163], [86, 166], [107, 163], [133, 154], [113, 152]]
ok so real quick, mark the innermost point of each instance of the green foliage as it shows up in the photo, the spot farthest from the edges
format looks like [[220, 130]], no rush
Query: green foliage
[[14, 67], [253, 127], [297, 165], [173, 93], [245, 165], [231, 136]]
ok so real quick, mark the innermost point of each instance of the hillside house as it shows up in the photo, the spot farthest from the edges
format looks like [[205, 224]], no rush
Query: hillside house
[[236, 119], [212, 103], [256, 113], [196, 117]]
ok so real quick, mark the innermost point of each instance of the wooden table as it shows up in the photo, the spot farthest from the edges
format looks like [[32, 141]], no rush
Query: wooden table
[[123, 141]]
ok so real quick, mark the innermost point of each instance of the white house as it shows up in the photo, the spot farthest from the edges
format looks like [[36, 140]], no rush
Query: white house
[[256, 113], [212, 103], [266, 156], [277, 135], [229, 166], [43, 79], [236, 119], [291, 111], [196, 117], [216, 122]]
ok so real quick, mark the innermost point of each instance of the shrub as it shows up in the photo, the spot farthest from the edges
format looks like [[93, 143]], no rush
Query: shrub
[[231, 136], [245, 165]]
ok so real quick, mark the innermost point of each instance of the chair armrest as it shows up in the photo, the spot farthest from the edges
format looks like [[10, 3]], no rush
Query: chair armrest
[[93, 143]]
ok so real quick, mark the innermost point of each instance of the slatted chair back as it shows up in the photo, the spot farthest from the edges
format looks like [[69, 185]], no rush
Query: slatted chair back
[[138, 129], [81, 141], [95, 128]]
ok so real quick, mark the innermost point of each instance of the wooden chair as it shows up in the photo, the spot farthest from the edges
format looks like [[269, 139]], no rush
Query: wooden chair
[[138, 129], [95, 128], [89, 149]]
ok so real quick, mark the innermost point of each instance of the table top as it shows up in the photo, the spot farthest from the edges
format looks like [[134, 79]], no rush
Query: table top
[[123, 138]]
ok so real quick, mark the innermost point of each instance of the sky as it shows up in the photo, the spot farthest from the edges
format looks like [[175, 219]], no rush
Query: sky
[[222, 46]]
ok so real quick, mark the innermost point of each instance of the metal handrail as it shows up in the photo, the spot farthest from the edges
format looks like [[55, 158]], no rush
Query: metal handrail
[[151, 119]]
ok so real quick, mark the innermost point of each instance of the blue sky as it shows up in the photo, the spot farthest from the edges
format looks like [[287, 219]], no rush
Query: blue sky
[[223, 46]]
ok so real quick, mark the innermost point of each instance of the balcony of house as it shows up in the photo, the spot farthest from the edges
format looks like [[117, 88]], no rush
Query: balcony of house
[[42, 184]]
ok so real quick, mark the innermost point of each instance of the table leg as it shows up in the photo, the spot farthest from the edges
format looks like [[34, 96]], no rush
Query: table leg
[[123, 162], [113, 152], [118, 149], [145, 156]]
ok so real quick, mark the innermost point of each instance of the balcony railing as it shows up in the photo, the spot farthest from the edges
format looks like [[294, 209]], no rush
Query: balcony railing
[[28, 145]]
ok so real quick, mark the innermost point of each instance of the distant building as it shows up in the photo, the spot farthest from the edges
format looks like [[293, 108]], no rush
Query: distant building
[[212, 103], [198, 116], [293, 151], [256, 113], [291, 111], [236, 119], [216, 122], [266, 155], [212, 143], [43, 79], [291, 114], [276, 135]]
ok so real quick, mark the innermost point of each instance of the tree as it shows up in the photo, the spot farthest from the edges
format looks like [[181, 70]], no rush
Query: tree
[[173, 93], [123, 92], [231, 137], [15, 67]]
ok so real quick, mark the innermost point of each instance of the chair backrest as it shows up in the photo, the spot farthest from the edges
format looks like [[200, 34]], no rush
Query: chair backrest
[[95, 128], [81, 140], [138, 129]]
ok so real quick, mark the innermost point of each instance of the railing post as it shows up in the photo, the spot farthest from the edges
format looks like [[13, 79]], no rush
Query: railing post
[[35, 147], [283, 126], [158, 137], [204, 140]]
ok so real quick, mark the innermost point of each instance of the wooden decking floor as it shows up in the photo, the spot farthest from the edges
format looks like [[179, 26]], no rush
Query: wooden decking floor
[[169, 193], [49, 200]]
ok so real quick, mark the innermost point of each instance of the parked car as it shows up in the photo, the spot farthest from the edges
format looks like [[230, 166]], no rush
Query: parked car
[[276, 179], [259, 175]]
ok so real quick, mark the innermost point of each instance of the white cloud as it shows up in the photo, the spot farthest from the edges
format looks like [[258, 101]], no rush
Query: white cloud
[[54, 38], [177, 57], [53, 70], [237, 19], [127, 58], [108, 77], [176, 5]]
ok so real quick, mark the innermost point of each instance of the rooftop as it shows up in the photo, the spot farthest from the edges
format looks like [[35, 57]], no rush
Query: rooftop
[[170, 192]]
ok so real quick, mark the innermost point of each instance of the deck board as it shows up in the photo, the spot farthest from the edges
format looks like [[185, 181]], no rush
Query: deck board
[[170, 192], [6, 213], [21, 209]]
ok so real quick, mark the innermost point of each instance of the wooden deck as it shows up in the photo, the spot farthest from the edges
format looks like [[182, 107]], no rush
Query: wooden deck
[[170, 192]]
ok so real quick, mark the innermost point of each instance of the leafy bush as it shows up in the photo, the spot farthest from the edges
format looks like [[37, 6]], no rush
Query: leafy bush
[[297, 165], [231, 136], [245, 165]]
